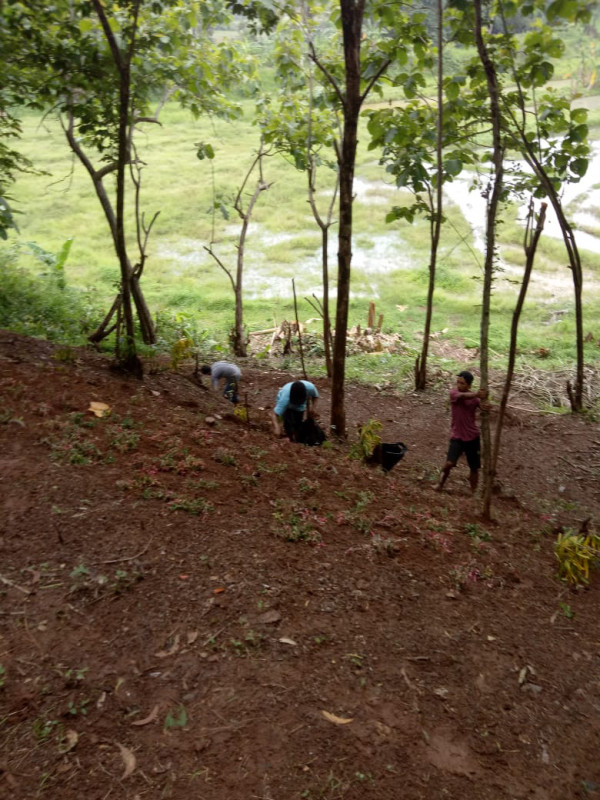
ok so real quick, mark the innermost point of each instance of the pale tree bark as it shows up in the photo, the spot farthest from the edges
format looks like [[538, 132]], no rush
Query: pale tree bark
[[493, 202], [436, 206], [238, 334], [576, 394], [528, 147], [324, 225], [530, 244]]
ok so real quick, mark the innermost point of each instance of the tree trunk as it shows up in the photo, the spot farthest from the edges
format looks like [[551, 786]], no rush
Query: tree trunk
[[326, 317], [488, 269], [575, 397], [238, 339], [352, 16], [436, 221], [147, 328], [530, 250], [122, 60]]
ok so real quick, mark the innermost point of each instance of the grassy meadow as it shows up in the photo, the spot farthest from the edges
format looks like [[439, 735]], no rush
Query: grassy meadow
[[186, 288]]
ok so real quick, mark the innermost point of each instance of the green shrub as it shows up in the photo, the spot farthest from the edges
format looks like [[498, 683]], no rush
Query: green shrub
[[42, 305]]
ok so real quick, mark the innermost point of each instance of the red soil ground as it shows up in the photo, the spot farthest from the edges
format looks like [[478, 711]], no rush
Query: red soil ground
[[196, 610]]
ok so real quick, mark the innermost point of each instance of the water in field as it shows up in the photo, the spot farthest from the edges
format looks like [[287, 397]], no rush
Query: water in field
[[375, 257], [577, 198]]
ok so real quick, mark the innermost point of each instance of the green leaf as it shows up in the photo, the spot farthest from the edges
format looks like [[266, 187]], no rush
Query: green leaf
[[176, 719], [579, 115], [579, 166], [452, 90], [204, 150], [453, 166], [579, 133], [63, 254]]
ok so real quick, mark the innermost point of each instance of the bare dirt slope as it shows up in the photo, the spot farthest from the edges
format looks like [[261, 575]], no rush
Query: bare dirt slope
[[196, 610]]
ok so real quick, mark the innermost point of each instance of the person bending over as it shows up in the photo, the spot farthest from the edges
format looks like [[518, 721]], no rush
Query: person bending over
[[293, 400], [229, 373]]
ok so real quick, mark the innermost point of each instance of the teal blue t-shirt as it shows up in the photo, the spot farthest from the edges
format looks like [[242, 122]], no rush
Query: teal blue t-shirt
[[283, 397]]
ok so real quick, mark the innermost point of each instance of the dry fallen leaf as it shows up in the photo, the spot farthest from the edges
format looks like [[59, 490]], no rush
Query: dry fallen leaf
[[99, 409], [270, 617], [150, 718], [192, 636], [336, 720], [285, 640], [128, 760], [171, 651], [69, 742]]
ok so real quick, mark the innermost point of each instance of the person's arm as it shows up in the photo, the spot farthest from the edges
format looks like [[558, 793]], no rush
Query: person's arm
[[457, 397], [311, 408], [276, 424], [214, 377]]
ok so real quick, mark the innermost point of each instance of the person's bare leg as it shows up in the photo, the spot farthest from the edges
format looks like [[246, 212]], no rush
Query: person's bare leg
[[444, 475], [474, 480]]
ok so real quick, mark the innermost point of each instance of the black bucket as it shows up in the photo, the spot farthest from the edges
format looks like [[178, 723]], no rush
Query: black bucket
[[388, 454]]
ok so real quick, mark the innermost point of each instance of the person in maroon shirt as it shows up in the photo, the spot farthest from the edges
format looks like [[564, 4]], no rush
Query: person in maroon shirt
[[464, 433]]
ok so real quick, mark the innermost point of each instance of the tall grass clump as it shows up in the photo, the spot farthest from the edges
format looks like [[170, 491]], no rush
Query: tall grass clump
[[41, 304]]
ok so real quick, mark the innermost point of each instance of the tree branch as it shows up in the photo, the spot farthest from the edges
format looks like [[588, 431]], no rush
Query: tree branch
[[328, 75], [110, 37], [211, 252], [373, 80]]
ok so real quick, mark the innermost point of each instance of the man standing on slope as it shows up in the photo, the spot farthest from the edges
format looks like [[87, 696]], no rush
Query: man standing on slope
[[464, 433]]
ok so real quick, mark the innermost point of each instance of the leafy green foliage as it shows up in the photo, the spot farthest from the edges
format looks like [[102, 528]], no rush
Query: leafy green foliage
[[42, 305], [368, 439]]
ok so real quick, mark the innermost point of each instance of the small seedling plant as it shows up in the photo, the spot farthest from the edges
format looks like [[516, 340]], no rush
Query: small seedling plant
[[576, 554]]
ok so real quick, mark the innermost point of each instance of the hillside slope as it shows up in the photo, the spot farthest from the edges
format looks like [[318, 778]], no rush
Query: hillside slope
[[194, 609]]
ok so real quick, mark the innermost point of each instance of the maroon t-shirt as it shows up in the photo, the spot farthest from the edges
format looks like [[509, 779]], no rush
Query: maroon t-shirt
[[463, 416]]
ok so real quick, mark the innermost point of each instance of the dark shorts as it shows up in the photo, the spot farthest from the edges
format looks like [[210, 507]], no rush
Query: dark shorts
[[292, 422], [471, 449]]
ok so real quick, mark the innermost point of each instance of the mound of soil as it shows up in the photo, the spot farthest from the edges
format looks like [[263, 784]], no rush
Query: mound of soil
[[191, 608]]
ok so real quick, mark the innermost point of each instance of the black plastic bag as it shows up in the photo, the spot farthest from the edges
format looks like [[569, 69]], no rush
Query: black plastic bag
[[388, 454]]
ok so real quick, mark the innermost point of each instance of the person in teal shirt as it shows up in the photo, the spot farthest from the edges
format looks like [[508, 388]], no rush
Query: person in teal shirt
[[293, 400]]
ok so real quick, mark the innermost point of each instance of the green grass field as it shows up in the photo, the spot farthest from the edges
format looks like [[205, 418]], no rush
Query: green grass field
[[183, 284]]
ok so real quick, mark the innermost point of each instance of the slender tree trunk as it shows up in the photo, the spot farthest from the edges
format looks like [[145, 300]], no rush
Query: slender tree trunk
[[239, 334], [122, 60], [575, 397], [436, 221], [530, 250], [352, 17], [239, 338], [493, 202], [299, 330], [124, 93], [147, 328], [326, 317], [324, 226]]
